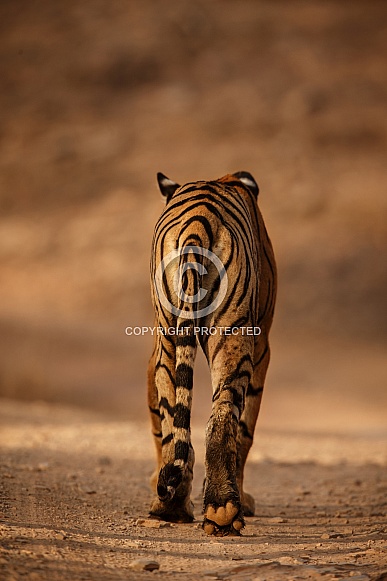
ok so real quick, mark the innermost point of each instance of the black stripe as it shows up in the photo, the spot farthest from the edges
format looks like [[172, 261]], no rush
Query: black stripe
[[162, 366], [244, 359], [165, 350], [186, 341], [164, 228], [192, 188], [165, 287], [265, 308], [216, 284], [186, 325], [245, 431], [187, 241], [235, 375], [167, 439], [165, 323], [225, 306], [162, 232], [164, 403], [204, 222], [237, 184], [208, 193], [264, 353], [234, 291], [184, 376], [252, 196], [254, 391], [154, 411], [226, 386], [181, 450], [246, 284], [226, 205], [252, 303], [237, 397], [182, 417], [269, 307], [271, 266]]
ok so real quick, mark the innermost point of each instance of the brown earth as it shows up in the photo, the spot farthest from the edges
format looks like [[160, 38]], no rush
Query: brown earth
[[75, 497], [96, 98]]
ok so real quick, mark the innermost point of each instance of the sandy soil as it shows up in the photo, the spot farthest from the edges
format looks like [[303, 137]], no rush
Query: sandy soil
[[75, 495], [96, 98]]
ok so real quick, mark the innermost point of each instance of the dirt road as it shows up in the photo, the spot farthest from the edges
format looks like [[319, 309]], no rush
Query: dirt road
[[74, 500]]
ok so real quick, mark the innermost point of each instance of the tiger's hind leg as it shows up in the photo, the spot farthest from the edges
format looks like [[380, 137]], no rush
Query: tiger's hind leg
[[173, 478], [249, 417], [153, 405], [231, 372]]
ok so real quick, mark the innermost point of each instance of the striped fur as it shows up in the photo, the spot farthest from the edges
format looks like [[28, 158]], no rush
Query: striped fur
[[223, 217]]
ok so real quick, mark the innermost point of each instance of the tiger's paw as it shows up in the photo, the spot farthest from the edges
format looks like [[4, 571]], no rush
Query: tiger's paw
[[248, 504], [173, 511], [222, 521]]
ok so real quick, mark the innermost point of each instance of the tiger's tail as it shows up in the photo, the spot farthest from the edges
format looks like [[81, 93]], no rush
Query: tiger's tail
[[189, 277]]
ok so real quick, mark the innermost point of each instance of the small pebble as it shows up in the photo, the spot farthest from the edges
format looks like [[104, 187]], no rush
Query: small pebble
[[42, 467], [152, 524], [277, 519], [303, 491], [290, 561], [144, 565]]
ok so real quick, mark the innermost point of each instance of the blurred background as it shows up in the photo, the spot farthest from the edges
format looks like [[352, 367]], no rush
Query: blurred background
[[97, 96]]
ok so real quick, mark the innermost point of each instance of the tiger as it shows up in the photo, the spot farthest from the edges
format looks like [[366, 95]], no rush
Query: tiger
[[209, 232]]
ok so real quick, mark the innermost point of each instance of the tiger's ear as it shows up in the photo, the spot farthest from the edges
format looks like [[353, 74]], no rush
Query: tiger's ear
[[167, 186], [247, 179]]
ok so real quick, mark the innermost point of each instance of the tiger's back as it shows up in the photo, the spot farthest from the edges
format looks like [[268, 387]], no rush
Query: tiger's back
[[212, 267]]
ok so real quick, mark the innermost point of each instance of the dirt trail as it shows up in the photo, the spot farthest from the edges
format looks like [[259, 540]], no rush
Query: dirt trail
[[74, 498]]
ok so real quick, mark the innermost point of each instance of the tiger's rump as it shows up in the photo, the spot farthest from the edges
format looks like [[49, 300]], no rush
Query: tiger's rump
[[201, 215]]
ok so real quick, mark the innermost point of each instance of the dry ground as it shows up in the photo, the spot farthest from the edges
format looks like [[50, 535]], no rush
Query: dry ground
[[74, 499], [98, 96]]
